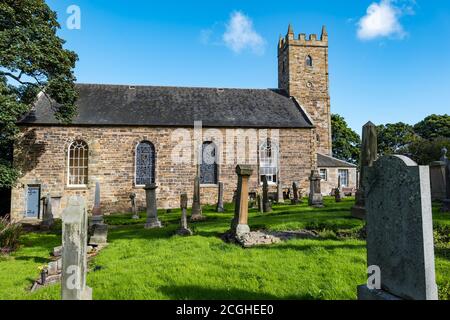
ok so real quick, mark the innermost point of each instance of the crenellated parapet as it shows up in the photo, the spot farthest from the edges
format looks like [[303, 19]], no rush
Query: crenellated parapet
[[302, 39]]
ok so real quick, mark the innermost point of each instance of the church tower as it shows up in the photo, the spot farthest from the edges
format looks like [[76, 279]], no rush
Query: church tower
[[303, 74]]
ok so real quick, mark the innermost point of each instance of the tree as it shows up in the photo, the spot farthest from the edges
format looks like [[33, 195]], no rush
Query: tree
[[434, 126], [394, 138], [346, 142], [32, 60], [426, 151]]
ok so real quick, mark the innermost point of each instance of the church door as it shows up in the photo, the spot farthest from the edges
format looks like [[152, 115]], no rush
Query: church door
[[33, 196]]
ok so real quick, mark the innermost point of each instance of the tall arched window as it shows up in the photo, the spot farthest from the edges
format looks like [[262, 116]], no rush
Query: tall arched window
[[209, 168], [268, 161], [78, 167], [145, 163], [309, 61]]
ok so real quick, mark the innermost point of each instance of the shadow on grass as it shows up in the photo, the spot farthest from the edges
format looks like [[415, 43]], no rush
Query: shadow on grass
[[311, 247], [39, 260], [201, 293]]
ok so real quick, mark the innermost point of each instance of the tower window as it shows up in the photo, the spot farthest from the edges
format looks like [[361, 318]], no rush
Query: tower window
[[309, 61]]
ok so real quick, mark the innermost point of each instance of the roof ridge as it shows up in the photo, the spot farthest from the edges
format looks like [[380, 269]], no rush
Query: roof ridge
[[173, 87]]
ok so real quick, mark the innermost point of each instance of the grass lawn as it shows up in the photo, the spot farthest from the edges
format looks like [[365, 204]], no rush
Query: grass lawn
[[154, 264]]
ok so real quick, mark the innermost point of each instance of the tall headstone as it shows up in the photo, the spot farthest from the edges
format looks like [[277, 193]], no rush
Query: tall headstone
[[296, 199], [446, 201], [280, 196], [152, 208], [184, 228], [259, 200], [315, 194], [134, 210], [47, 217], [399, 230], [98, 229], [369, 151], [267, 205], [196, 203], [239, 224], [338, 194], [74, 251], [220, 207]]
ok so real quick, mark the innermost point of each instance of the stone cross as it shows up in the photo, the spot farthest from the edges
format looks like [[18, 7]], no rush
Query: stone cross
[[184, 228], [98, 229], [267, 205], [219, 207], [152, 208], [74, 251], [239, 225], [369, 151], [47, 217], [399, 230], [315, 195], [133, 207], [296, 199], [196, 203]]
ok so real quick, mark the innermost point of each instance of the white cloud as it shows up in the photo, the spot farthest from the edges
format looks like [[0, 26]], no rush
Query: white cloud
[[383, 19], [240, 34]]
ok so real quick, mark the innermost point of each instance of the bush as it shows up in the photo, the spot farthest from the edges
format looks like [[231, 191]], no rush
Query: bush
[[9, 235]]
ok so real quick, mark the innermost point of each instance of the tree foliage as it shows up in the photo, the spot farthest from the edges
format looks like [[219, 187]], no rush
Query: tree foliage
[[426, 151], [433, 127], [395, 138], [346, 142], [32, 60]]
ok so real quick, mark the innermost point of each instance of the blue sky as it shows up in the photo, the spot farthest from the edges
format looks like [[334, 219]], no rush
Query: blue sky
[[389, 59]]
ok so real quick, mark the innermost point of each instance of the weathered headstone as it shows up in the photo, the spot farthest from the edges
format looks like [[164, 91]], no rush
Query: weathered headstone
[[369, 151], [338, 194], [259, 199], [239, 224], [134, 210], [152, 208], [184, 228], [296, 199], [196, 203], [98, 229], [267, 205], [74, 252], [280, 196], [47, 217], [399, 230], [220, 207], [446, 201], [315, 194]]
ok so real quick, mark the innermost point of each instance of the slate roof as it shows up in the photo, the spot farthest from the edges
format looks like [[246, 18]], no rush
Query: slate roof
[[324, 161], [122, 105]]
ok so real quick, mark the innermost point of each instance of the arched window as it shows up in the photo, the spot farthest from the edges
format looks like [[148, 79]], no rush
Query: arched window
[[309, 61], [209, 168], [145, 163], [78, 163], [268, 161]]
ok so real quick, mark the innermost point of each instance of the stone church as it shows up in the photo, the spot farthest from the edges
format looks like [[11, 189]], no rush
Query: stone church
[[125, 137]]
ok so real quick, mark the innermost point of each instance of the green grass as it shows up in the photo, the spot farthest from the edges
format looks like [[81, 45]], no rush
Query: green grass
[[155, 264]]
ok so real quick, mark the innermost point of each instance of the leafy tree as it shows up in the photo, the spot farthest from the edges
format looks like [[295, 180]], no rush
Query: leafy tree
[[434, 126], [394, 138], [32, 60], [346, 142], [426, 151]]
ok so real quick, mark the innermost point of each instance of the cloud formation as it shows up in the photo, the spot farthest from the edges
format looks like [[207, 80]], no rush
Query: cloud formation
[[383, 19], [241, 35]]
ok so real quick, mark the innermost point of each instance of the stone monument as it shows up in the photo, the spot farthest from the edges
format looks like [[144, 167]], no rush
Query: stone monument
[[315, 194], [47, 216], [74, 251], [399, 231], [369, 151], [98, 229], [152, 209], [239, 224], [220, 207], [296, 199], [267, 205], [196, 203], [280, 196], [184, 228], [446, 201], [134, 210]]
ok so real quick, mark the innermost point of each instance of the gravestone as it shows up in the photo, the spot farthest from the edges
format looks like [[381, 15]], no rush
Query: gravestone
[[259, 200], [184, 229], [338, 194], [280, 197], [74, 251], [296, 199], [47, 216], [98, 229], [152, 208], [399, 230], [369, 150], [446, 201], [134, 210], [196, 203], [219, 207], [315, 194], [239, 224], [267, 205]]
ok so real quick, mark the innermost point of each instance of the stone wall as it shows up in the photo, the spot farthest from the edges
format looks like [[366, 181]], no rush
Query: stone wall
[[42, 155]]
